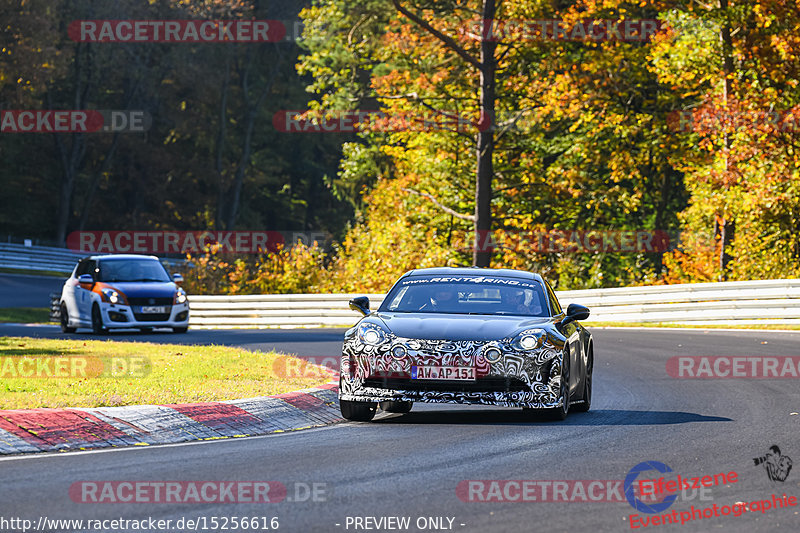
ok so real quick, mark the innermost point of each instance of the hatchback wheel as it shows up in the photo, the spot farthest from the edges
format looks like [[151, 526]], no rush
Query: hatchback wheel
[[65, 328], [97, 321]]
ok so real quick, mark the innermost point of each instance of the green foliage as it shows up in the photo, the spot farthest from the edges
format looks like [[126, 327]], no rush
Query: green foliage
[[585, 139], [182, 173]]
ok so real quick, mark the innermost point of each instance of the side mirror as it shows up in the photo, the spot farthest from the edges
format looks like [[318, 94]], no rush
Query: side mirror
[[575, 312], [360, 304], [86, 279], [177, 278]]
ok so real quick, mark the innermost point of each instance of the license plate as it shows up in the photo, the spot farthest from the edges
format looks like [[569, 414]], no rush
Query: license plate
[[153, 309], [450, 373]]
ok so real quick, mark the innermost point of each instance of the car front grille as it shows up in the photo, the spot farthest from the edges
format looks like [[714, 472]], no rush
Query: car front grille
[[152, 317], [150, 301], [479, 385]]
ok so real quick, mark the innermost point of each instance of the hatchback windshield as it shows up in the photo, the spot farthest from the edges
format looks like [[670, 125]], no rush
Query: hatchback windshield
[[132, 270], [467, 295]]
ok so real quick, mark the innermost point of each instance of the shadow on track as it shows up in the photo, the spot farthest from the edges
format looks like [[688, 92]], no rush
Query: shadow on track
[[599, 417]]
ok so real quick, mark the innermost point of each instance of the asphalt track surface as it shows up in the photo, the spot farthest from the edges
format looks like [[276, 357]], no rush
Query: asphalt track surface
[[410, 465], [19, 290]]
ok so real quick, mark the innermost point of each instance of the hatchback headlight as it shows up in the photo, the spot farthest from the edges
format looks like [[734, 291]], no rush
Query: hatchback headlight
[[180, 296], [113, 296], [371, 334], [530, 339]]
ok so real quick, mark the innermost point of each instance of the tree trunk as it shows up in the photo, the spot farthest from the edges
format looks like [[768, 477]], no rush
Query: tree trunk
[[219, 147], [247, 143], [481, 255], [661, 208], [728, 228], [250, 119], [72, 157]]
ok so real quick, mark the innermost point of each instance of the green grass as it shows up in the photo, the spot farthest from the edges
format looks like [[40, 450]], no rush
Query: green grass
[[690, 326], [70, 373], [25, 315]]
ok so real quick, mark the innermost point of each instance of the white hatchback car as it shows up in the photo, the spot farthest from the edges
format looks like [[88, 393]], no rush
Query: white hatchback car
[[123, 291]]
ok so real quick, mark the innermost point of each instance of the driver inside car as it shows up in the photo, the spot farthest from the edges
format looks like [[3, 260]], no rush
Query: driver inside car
[[514, 302], [441, 300]]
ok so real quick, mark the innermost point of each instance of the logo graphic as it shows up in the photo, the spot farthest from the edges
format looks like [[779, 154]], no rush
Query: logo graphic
[[778, 466], [636, 503]]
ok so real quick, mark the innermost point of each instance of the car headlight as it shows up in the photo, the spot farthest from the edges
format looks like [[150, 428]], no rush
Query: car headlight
[[371, 334], [530, 339], [180, 296], [113, 296], [399, 351], [492, 354]]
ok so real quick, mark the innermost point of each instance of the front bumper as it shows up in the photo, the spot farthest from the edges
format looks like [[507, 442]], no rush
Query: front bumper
[[515, 379], [117, 316]]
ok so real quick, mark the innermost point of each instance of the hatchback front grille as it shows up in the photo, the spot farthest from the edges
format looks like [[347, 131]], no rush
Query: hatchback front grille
[[152, 317], [150, 301]]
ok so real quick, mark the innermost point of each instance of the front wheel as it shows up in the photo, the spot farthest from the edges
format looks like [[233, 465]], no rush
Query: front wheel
[[97, 321], [397, 406], [555, 413], [587, 387], [357, 411], [65, 327], [184, 329], [560, 413]]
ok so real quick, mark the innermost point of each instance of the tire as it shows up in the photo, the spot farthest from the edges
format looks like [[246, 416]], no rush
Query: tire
[[97, 321], [184, 329], [587, 386], [397, 406], [560, 413], [358, 411], [556, 413], [65, 328]]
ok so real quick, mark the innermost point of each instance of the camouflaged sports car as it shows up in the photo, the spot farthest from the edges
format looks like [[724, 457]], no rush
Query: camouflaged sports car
[[467, 336]]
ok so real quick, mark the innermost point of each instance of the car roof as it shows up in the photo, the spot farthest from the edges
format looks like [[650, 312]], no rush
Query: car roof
[[122, 256], [461, 271]]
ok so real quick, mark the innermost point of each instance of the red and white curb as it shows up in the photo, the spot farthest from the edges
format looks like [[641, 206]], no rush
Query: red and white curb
[[47, 430]]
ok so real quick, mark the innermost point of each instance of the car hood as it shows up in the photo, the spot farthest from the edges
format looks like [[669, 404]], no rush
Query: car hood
[[140, 289], [457, 327]]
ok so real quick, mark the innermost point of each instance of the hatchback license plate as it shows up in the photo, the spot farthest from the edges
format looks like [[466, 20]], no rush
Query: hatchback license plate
[[450, 373], [153, 309]]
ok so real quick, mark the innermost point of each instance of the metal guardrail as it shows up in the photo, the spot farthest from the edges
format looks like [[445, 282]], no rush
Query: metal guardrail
[[726, 303], [27, 258], [21, 257], [275, 310], [722, 303]]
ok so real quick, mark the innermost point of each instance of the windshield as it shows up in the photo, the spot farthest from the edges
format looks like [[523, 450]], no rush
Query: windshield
[[479, 295], [132, 270]]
